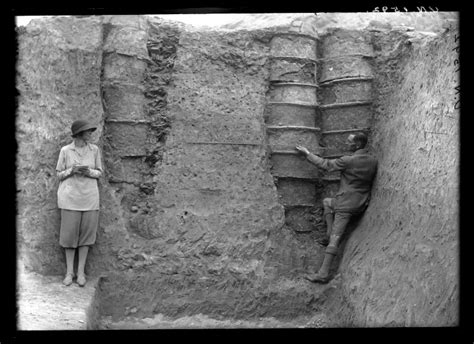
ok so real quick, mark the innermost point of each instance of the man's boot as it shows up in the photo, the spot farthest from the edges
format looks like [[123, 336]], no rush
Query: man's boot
[[324, 240], [323, 274]]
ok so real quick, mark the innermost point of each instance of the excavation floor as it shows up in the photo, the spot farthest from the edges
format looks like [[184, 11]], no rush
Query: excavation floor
[[44, 303], [201, 321]]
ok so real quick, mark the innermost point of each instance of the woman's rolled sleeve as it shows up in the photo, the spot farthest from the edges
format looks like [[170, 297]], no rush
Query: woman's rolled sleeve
[[62, 172], [97, 171], [94, 173]]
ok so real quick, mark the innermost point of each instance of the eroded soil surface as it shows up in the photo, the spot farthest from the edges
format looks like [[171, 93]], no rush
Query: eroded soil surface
[[44, 303], [201, 321]]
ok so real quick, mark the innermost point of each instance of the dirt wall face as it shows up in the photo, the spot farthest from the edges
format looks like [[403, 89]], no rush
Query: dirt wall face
[[214, 189], [59, 68], [187, 197], [210, 225], [400, 266], [198, 206]]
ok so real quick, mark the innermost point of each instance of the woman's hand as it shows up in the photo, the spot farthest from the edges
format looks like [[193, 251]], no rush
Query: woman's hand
[[78, 169], [302, 150]]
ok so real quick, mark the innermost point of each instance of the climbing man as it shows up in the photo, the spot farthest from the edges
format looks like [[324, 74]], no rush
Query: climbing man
[[357, 174]]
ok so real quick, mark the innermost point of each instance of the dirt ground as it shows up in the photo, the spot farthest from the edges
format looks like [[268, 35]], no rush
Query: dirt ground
[[44, 303], [201, 321]]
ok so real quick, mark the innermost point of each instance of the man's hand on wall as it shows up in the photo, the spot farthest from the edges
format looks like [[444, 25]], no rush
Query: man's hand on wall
[[302, 150]]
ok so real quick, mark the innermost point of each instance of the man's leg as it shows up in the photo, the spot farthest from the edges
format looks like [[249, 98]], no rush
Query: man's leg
[[328, 216], [340, 223]]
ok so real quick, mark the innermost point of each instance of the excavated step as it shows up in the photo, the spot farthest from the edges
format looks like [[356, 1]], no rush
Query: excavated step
[[128, 139], [335, 97], [287, 137], [293, 45], [289, 164], [303, 104], [124, 100], [293, 92], [294, 70], [340, 42], [201, 321], [301, 219], [239, 298], [349, 90], [44, 303], [345, 67], [290, 114], [346, 117], [296, 191]]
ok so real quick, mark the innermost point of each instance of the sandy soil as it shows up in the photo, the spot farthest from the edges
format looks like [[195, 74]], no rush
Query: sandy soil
[[44, 303], [201, 321]]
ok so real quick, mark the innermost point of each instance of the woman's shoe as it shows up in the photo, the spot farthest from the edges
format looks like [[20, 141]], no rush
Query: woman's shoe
[[81, 280], [68, 279]]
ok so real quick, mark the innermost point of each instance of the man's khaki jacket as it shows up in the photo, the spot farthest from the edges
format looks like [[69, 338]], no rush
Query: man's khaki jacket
[[357, 174]]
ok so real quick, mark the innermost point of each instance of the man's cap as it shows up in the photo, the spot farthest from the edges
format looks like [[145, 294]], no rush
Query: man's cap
[[81, 125]]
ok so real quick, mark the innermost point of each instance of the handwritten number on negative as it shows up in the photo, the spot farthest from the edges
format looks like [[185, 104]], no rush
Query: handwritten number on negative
[[458, 102], [456, 62], [395, 9]]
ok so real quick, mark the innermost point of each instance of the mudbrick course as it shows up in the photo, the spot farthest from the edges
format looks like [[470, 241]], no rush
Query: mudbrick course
[[208, 217]]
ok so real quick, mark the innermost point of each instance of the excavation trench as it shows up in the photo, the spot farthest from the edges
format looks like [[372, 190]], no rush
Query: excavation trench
[[208, 217], [207, 303]]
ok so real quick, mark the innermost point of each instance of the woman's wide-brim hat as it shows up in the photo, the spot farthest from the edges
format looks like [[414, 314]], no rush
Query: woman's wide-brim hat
[[81, 125]]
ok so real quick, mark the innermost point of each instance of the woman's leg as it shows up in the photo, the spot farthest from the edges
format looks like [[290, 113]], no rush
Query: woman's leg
[[68, 238], [83, 250], [81, 278], [70, 252], [87, 237]]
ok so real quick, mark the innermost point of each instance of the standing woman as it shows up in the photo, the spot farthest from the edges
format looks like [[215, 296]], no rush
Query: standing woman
[[79, 166]]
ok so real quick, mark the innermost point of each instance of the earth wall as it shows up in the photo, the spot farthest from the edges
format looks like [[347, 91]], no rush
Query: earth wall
[[400, 266]]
